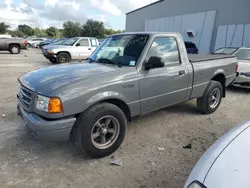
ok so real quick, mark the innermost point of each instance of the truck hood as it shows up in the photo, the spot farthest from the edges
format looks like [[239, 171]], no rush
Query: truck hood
[[46, 80], [61, 47]]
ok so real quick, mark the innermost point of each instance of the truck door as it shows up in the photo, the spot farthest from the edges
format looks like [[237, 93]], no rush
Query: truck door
[[160, 87], [3, 44], [83, 49]]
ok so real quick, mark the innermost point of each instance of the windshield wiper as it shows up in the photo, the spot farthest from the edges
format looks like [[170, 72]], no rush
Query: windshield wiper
[[106, 60]]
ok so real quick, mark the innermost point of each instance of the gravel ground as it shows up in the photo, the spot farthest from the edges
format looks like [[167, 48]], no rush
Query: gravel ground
[[29, 163]]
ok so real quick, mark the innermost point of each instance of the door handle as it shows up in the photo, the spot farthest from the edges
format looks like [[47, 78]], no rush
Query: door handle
[[89, 48], [182, 72]]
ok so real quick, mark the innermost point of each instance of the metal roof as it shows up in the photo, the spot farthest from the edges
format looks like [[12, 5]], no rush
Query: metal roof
[[144, 7]]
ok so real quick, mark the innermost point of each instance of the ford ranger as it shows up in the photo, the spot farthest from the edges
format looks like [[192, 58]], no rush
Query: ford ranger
[[128, 75]]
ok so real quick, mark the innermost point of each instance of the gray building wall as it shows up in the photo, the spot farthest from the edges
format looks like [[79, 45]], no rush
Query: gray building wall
[[228, 12]]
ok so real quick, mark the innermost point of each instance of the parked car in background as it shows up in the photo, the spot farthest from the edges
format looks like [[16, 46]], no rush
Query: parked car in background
[[73, 48], [100, 41], [91, 102], [191, 48], [243, 56], [32, 41], [51, 41], [13, 45], [226, 163]]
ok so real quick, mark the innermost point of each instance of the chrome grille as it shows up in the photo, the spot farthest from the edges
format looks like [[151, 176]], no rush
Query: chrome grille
[[25, 97]]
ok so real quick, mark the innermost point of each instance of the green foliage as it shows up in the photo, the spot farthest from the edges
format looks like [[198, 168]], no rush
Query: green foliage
[[40, 32], [93, 28], [52, 32], [71, 29], [26, 29], [16, 33], [108, 32], [3, 28]]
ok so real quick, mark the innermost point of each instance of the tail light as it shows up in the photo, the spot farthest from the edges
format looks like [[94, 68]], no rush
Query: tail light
[[236, 67], [25, 43]]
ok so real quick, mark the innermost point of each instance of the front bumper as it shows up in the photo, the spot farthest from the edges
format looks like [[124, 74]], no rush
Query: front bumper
[[49, 56], [42, 129], [242, 80]]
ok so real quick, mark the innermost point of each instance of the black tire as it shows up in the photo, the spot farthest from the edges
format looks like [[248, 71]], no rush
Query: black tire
[[203, 102], [85, 124], [63, 58], [53, 61], [14, 49]]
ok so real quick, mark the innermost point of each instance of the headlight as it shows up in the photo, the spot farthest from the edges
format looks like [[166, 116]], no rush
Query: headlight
[[50, 52], [50, 105], [196, 184]]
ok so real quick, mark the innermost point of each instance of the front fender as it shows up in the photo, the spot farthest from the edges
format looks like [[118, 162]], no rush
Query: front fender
[[105, 96]]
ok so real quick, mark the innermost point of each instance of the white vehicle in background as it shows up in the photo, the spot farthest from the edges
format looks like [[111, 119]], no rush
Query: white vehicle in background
[[78, 48], [243, 56], [226, 163], [34, 41]]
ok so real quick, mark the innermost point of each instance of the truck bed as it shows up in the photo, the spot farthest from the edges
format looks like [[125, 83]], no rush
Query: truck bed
[[193, 58]]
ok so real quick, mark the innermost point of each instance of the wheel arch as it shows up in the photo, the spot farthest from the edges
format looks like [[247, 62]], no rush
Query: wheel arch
[[113, 98], [67, 52], [220, 77], [17, 44]]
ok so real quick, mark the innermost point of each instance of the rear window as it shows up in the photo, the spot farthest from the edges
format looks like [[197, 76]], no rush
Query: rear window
[[190, 45], [94, 42], [243, 54], [228, 51]]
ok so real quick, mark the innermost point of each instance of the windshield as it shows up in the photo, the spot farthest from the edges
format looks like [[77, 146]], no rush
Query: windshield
[[243, 54], [228, 51], [122, 49], [70, 42]]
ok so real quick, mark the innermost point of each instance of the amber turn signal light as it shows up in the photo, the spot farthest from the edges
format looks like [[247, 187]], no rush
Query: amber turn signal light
[[55, 105]]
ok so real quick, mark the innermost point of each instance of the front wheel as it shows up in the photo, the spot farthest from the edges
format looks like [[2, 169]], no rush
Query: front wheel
[[211, 99], [63, 58], [100, 130], [53, 61]]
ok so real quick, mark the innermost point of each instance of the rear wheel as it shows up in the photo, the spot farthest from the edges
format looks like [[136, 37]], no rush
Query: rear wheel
[[63, 58], [100, 130], [14, 49], [211, 99]]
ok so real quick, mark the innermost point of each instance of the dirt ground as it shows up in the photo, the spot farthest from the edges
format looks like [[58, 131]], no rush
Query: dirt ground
[[28, 163]]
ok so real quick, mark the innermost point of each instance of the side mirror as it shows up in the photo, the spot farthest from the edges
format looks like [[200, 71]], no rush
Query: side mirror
[[154, 62], [78, 44]]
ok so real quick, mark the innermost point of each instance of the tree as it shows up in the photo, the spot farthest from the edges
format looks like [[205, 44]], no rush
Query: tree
[[52, 32], [93, 28], [40, 32], [71, 29], [3, 28], [26, 29], [16, 33]]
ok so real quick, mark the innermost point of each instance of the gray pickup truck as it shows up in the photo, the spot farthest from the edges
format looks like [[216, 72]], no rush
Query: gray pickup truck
[[13, 45], [128, 75]]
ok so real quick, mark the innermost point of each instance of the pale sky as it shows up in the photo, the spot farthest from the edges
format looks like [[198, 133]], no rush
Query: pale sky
[[46, 13]]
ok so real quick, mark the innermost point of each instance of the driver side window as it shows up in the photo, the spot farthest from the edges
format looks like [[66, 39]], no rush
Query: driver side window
[[167, 49], [83, 42]]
